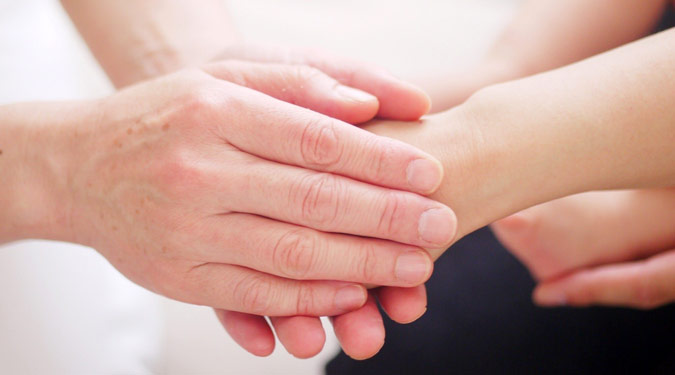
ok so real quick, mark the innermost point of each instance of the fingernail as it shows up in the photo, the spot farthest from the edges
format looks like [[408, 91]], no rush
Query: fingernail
[[354, 94], [424, 175], [350, 297], [413, 267], [551, 299], [437, 226]]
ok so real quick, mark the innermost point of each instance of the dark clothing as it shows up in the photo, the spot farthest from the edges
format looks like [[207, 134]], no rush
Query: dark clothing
[[481, 321]]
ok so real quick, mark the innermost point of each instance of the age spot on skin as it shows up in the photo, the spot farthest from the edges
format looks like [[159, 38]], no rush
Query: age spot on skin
[[0, 152], [165, 127]]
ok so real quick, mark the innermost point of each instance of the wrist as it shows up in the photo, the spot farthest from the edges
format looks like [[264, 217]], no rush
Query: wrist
[[35, 167], [497, 161]]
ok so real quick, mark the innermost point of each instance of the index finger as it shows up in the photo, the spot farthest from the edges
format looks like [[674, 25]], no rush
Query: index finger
[[286, 133]]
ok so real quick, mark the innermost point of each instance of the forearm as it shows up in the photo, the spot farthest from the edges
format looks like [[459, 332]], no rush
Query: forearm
[[135, 40], [546, 35], [604, 123], [549, 34], [35, 170]]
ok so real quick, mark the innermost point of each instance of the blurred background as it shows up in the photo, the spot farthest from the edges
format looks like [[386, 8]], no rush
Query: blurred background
[[62, 301]]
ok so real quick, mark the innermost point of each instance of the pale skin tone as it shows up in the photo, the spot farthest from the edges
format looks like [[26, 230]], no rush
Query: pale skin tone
[[612, 248], [208, 187], [577, 29], [130, 49], [212, 193], [347, 326]]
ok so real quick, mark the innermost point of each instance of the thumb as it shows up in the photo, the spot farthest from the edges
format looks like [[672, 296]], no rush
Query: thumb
[[399, 100], [300, 85]]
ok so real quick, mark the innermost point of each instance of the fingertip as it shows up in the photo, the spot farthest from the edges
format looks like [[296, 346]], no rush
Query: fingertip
[[403, 101], [403, 305], [424, 175], [302, 336], [361, 332], [547, 296], [251, 332], [351, 94], [370, 343], [437, 227], [350, 297], [352, 105], [261, 347]]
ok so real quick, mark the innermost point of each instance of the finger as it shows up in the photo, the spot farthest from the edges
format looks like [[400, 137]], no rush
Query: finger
[[360, 332], [403, 305], [235, 288], [279, 131], [251, 332], [301, 85], [300, 253], [398, 99], [302, 336], [334, 203], [643, 284]]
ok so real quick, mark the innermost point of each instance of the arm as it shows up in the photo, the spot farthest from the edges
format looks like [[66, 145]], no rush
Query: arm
[[136, 40], [34, 187], [546, 35], [604, 123]]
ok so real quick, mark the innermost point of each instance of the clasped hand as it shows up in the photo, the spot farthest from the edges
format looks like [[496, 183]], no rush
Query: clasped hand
[[208, 192]]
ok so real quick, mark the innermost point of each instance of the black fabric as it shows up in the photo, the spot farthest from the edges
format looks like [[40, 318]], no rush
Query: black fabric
[[481, 321]]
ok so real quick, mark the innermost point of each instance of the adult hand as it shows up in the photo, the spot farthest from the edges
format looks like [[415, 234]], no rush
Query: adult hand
[[304, 336], [212, 193]]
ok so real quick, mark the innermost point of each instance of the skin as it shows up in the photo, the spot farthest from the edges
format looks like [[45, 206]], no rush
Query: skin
[[544, 35], [212, 193], [527, 40], [142, 40], [598, 248], [480, 142]]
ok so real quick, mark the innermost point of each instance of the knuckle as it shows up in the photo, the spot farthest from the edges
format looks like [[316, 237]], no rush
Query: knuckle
[[253, 293], [392, 213], [199, 99], [305, 304], [294, 254], [377, 165], [319, 144], [179, 174], [320, 195], [367, 263]]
